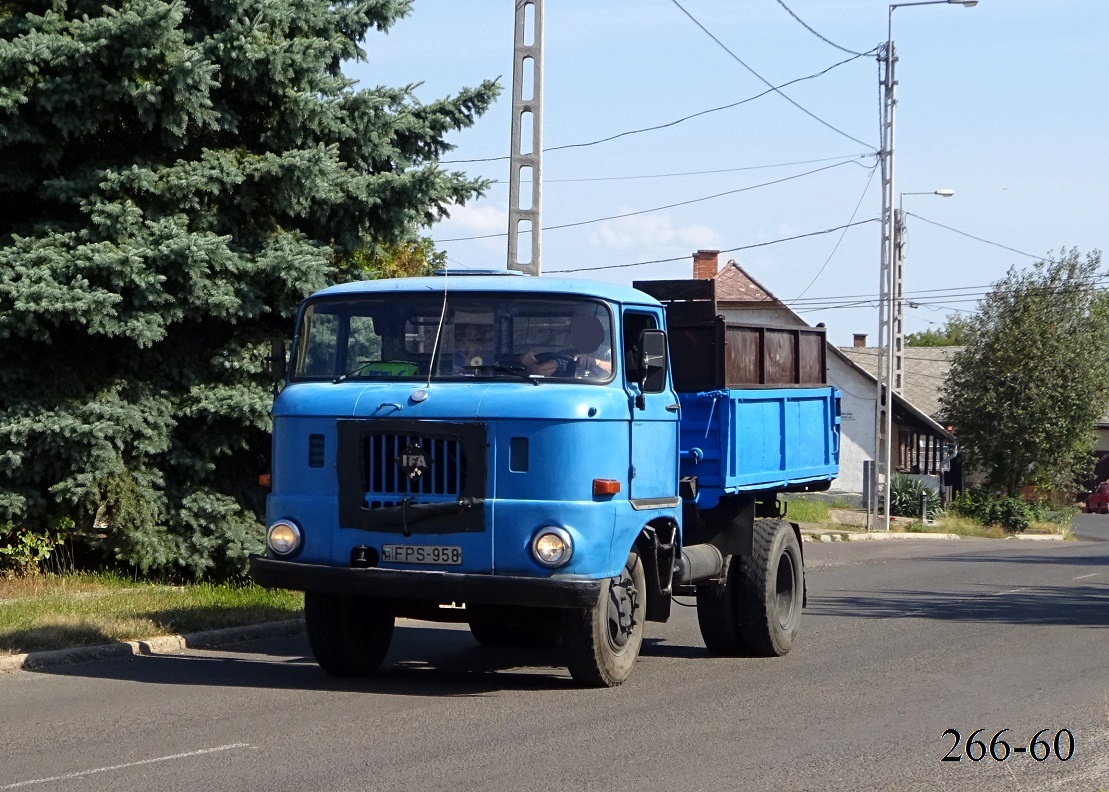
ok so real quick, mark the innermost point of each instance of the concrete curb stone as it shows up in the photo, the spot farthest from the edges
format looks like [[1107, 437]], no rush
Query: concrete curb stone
[[162, 644]]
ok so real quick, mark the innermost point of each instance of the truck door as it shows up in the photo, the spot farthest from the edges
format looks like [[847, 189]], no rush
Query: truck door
[[654, 424]]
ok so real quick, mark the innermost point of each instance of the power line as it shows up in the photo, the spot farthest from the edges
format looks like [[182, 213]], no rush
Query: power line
[[971, 236], [765, 81], [655, 209], [698, 114], [844, 158], [822, 38], [727, 250], [945, 291], [841, 236], [940, 300]]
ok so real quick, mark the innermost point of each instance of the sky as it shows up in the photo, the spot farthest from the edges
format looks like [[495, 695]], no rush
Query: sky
[[1005, 103]]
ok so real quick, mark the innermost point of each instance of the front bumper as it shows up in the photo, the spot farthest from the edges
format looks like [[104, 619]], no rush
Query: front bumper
[[419, 585]]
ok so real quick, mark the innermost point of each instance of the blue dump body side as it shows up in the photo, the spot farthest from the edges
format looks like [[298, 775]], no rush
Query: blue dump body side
[[743, 440]]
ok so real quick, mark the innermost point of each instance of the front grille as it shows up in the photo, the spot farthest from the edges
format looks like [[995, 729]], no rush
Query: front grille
[[376, 493], [387, 484]]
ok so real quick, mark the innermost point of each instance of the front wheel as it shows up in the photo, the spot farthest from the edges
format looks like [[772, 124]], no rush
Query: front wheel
[[758, 609], [349, 636], [603, 642]]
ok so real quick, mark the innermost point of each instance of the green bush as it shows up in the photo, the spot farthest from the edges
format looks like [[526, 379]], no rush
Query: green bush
[[25, 550], [905, 494], [1012, 514]]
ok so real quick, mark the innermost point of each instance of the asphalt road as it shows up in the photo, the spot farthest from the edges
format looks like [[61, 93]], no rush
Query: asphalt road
[[902, 641], [1091, 526]]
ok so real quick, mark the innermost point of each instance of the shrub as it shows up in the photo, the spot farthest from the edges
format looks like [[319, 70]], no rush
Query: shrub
[[1012, 514], [905, 495], [25, 550]]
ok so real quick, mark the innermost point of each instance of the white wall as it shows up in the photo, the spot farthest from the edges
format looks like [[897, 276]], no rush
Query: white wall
[[769, 316], [856, 423]]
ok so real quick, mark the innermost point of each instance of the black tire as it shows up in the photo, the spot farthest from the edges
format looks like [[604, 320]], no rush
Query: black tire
[[603, 642], [758, 611], [516, 627], [349, 636]]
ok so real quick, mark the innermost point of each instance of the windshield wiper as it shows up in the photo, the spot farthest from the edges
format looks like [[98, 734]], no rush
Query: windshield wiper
[[516, 371]]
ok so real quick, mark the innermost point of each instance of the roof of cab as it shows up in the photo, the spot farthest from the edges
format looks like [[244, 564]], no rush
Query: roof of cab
[[454, 282]]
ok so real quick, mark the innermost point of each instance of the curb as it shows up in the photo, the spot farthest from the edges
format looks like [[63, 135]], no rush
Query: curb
[[162, 644], [873, 537]]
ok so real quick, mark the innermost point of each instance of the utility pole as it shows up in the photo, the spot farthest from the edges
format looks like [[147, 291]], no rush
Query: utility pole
[[889, 341], [891, 328], [527, 136]]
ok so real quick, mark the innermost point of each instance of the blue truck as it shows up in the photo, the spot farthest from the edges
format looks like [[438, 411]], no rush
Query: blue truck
[[550, 461]]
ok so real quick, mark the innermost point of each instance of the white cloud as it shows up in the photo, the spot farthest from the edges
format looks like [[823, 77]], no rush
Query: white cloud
[[653, 230], [483, 219]]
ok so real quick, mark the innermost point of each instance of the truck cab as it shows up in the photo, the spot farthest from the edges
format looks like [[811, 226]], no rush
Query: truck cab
[[495, 449]]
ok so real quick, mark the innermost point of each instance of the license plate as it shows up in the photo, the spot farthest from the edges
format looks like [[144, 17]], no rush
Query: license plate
[[444, 555]]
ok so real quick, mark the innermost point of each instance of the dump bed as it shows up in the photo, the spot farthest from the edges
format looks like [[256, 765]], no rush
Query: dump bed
[[746, 440], [756, 414]]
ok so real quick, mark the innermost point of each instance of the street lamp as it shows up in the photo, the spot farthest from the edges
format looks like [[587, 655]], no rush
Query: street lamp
[[890, 334], [897, 348]]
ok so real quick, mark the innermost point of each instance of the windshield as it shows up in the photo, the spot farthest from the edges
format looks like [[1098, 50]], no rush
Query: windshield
[[507, 336]]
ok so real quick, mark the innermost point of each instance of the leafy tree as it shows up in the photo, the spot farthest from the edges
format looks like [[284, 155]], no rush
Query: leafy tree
[[954, 332], [175, 175], [1025, 393]]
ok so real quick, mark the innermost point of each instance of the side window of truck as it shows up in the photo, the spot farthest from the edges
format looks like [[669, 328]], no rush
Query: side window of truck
[[319, 352], [634, 324]]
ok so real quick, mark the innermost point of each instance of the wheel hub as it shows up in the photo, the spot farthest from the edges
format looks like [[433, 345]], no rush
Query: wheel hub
[[623, 610]]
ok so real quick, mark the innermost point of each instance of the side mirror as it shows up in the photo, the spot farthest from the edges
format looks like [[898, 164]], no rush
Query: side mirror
[[652, 361], [276, 360]]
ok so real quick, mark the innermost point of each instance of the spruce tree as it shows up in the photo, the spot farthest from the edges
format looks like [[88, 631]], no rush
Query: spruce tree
[[175, 176]]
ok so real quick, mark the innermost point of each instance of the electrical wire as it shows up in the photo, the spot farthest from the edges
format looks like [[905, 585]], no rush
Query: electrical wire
[[852, 158], [841, 236], [971, 236], [930, 296], [822, 38], [728, 250], [767, 82], [655, 209], [668, 124]]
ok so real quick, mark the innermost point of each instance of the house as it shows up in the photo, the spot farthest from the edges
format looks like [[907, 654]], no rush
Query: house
[[920, 443]]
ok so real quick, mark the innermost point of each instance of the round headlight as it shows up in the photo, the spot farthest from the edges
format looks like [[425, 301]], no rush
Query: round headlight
[[283, 538], [552, 547]]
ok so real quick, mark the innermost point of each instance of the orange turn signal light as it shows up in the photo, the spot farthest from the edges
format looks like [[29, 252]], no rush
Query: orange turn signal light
[[265, 480], [605, 486]]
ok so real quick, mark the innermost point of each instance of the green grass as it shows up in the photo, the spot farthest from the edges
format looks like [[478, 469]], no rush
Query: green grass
[[39, 612], [811, 510]]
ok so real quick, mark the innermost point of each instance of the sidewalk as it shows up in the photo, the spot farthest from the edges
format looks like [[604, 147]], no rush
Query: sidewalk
[[162, 644]]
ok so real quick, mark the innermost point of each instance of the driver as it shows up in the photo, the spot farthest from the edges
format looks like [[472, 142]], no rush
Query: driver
[[587, 356]]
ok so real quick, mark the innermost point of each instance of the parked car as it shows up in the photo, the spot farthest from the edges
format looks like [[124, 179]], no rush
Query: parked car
[[1097, 502]]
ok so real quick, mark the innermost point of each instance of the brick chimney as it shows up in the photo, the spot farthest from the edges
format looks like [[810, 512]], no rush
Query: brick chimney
[[705, 264], [860, 339]]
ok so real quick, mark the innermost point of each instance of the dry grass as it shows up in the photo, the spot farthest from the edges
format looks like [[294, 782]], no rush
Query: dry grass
[[965, 526], [54, 612]]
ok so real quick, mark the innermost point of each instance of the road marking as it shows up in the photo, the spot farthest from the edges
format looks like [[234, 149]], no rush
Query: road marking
[[1083, 577], [81, 773]]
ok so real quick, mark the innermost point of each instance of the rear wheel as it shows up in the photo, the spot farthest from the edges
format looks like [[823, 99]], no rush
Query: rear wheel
[[349, 636], [603, 642], [758, 610]]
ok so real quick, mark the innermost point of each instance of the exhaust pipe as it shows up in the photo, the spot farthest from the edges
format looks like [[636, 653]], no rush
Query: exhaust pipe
[[698, 563]]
